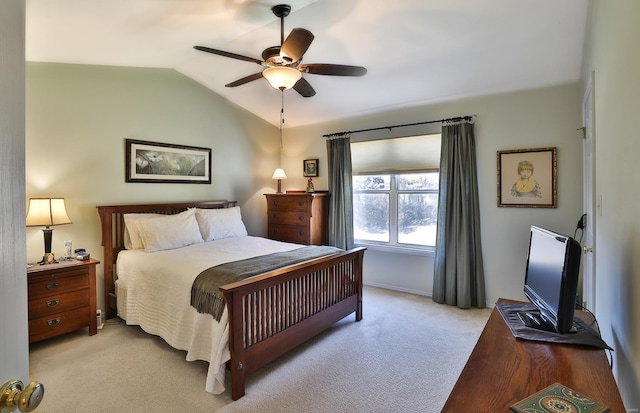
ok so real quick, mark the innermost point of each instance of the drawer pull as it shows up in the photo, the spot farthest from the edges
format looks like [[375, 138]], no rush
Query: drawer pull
[[275, 202], [300, 232], [301, 217], [52, 286], [300, 203], [52, 303], [274, 216], [53, 322]]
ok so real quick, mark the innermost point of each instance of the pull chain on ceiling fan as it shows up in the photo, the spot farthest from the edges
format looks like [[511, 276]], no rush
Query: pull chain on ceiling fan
[[281, 117], [282, 64]]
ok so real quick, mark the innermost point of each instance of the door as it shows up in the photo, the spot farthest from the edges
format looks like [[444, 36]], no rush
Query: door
[[588, 240], [14, 347]]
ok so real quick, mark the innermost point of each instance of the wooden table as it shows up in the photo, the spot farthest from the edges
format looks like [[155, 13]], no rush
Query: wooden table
[[502, 371]]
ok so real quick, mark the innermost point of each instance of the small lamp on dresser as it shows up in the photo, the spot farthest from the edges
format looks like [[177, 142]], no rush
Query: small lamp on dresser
[[279, 175], [47, 212]]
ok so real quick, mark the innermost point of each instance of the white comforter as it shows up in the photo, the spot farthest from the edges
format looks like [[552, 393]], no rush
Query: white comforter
[[154, 292]]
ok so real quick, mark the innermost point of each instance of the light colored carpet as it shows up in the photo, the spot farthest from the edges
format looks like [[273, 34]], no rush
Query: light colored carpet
[[404, 356]]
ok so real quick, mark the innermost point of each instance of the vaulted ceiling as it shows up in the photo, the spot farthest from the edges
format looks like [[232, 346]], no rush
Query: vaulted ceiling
[[416, 51]]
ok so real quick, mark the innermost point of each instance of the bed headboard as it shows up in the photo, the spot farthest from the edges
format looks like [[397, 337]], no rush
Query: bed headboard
[[112, 227]]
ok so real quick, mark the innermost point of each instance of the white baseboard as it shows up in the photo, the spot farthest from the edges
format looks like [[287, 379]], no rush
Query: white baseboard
[[399, 289], [429, 294]]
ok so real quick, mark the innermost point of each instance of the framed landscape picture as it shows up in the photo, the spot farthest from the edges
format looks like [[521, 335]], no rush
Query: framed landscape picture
[[527, 178], [166, 163]]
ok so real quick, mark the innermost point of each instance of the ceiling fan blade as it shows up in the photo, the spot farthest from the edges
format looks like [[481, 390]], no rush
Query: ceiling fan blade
[[227, 54], [245, 79], [332, 70], [296, 44], [304, 88]]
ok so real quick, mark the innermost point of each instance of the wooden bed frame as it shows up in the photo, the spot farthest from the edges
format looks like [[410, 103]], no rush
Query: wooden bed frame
[[269, 314]]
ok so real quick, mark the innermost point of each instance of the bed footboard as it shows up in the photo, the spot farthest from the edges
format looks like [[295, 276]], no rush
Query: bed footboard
[[277, 311]]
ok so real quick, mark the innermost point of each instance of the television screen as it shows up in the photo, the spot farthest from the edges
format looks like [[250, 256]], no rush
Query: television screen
[[551, 281]]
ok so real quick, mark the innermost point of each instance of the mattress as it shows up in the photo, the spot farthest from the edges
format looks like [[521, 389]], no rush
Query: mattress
[[154, 292]]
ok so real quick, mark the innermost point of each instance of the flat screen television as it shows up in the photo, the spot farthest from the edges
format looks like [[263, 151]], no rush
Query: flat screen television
[[551, 280]]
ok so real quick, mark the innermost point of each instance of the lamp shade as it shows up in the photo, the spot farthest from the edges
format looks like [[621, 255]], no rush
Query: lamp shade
[[46, 212], [279, 174], [281, 77]]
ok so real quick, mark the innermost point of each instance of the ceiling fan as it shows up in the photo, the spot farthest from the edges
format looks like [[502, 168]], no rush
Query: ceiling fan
[[282, 64]]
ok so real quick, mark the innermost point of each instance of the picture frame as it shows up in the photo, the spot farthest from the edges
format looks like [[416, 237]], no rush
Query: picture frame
[[527, 178], [156, 162], [310, 167]]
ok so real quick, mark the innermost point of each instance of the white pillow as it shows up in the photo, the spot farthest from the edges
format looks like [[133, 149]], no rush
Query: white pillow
[[169, 231], [220, 223], [132, 240]]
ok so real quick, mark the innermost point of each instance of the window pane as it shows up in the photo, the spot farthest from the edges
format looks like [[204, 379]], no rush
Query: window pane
[[422, 181], [417, 215], [371, 217], [371, 182]]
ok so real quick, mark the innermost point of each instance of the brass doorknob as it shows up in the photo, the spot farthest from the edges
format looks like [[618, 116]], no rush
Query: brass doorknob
[[13, 396], [587, 249]]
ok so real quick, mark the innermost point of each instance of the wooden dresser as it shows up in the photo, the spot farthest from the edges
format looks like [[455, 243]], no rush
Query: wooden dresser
[[503, 370], [299, 217], [62, 298]]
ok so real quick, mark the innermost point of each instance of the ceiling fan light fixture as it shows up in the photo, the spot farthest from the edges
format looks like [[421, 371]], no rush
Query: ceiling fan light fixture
[[281, 78]]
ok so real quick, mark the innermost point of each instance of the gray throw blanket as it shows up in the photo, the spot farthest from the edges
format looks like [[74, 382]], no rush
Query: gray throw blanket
[[205, 291]]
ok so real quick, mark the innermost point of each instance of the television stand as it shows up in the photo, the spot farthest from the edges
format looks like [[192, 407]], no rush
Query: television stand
[[503, 370], [535, 319]]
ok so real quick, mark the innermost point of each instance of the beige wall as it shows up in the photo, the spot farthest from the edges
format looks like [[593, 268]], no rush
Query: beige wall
[[612, 54], [529, 119], [78, 117]]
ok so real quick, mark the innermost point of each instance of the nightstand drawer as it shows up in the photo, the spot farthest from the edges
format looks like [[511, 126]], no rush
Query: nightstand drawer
[[59, 323], [47, 285], [289, 217], [57, 303], [289, 203]]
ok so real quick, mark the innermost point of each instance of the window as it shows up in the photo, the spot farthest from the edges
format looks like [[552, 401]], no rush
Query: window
[[398, 209], [395, 192]]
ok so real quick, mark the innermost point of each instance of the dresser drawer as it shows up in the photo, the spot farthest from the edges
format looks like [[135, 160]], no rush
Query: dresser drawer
[[289, 217], [288, 233], [289, 203], [59, 323], [47, 285], [57, 303]]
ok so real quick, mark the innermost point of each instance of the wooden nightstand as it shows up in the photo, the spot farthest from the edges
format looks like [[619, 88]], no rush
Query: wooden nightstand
[[301, 218], [62, 298]]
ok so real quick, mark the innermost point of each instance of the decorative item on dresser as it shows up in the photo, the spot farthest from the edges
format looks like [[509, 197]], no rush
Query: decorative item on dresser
[[299, 216], [264, 316], [62, 298]]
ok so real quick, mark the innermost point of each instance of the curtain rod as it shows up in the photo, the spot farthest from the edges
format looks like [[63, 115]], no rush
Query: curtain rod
[[329, 135]]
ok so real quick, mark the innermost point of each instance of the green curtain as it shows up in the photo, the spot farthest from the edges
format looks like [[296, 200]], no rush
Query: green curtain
[[458, 277], [341, 189]]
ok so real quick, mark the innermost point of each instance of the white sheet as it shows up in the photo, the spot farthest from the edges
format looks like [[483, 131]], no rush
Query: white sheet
[[154, 292]]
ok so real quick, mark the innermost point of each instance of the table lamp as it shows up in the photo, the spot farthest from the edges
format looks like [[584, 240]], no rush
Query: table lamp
[[47, 212], [279, 175]]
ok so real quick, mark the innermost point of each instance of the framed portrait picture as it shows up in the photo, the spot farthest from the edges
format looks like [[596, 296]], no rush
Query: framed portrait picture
[[166, 163], [310, 167], [527, 178]]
